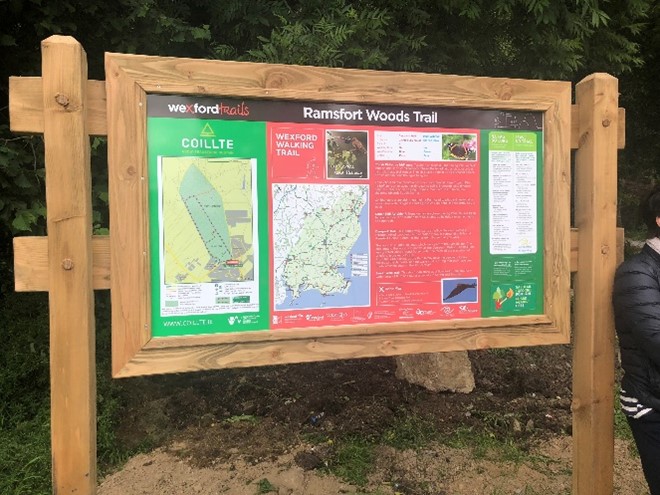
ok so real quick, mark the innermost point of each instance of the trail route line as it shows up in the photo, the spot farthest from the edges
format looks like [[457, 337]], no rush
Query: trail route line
[[315, 228], [207, 220]]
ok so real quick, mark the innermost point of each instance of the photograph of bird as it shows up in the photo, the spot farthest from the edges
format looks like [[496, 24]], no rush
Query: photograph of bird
[[460, 288]]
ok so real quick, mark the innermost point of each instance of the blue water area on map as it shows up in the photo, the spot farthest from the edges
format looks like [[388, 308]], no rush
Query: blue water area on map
[[358, 291]]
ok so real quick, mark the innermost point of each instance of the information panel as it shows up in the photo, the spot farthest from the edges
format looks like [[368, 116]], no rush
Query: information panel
[[269, 215]]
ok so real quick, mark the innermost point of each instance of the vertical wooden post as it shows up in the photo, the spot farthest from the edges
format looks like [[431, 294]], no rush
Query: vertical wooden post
[[71, 303], [593, 351]]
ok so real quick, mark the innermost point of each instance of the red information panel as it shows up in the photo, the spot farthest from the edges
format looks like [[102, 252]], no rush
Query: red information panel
[[373, 224]]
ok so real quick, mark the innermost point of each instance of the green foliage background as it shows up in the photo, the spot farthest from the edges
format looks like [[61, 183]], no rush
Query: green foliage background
[[549, 39], [513, 38]]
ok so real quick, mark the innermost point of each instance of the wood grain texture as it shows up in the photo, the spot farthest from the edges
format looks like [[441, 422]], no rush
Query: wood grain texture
[[26, 108], [157, 360], [575, 128], [593, 350], [256, 80], [31, 263], [31, 260], [128, 201], [556, 212], [71, 296]]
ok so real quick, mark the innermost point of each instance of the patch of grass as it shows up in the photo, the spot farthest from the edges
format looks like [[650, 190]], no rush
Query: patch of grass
[[315, 438], [410, 432], [265, 486], [25, 457], [623, 432], [621, 427], [24, 368], [24, 388], [111, 453], [495, 421], [353, 460], [242, 418], [486, 445]]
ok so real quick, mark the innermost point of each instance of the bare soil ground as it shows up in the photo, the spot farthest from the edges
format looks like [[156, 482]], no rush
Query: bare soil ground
[[307, 429]]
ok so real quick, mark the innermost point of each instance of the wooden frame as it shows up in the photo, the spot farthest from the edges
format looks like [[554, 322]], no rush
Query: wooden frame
[[130, 78], [67, 111]]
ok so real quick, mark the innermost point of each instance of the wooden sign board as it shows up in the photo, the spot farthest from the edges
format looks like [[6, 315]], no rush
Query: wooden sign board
[[267, 214]]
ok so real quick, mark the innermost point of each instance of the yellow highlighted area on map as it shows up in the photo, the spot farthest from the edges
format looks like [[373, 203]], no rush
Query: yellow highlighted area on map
[[207, 212]]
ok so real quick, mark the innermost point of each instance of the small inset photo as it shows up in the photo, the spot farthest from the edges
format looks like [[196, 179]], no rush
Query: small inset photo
[[460, 290], [459, 147], [347, 154]]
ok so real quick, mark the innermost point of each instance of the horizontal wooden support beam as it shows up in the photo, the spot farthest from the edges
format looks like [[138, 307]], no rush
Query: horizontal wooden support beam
[[31, 263], [26, 110], [157, 359], [26, 106], [575, 128], [31, 260]]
